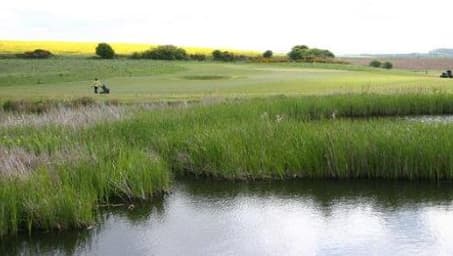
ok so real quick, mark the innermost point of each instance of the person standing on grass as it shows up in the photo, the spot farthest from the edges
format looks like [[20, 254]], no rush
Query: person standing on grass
[[96, 85]]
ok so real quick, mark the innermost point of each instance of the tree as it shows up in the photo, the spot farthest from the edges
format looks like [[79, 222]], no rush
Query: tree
[[375, 64], [300, 47], [217, 55], [297, 53], [268, 54], [322, 53], [228, 56], [105, 51], [304, 53], [387, 65]]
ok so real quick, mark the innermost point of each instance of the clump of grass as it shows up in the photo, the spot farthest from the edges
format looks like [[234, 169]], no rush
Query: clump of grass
[[66, 196]]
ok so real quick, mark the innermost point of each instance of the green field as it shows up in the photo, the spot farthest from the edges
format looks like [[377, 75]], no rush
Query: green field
[[144, 80]]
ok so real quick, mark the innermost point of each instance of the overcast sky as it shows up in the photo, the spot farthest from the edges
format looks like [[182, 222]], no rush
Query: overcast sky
[[345, 27]]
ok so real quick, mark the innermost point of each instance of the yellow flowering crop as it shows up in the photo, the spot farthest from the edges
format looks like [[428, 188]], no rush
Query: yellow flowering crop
[[88, 48]]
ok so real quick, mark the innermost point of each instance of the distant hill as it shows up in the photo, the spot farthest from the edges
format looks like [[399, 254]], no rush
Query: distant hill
[[442, 52], [436, 53]]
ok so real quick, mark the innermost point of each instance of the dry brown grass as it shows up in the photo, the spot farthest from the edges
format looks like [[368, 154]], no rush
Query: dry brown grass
[[18, 162], [66, 116]]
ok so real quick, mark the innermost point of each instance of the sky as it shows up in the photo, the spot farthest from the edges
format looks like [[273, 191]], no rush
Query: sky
[[344, 27]]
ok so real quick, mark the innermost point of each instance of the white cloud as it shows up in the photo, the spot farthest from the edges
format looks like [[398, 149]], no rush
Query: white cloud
[[348, 26]]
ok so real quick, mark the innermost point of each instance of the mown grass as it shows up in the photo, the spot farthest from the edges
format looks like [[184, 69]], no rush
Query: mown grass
[[148, 80], [271, 138], [39, 72]]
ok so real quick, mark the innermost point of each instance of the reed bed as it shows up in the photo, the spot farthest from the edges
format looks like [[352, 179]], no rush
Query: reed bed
[[336, 137], [328, 149], [303, 137], [358, 106]]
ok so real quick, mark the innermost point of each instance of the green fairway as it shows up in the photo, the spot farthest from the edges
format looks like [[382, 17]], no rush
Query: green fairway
[[144, 80]]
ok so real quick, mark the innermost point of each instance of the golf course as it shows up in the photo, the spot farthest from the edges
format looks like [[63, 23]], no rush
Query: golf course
[[66, 151], [145, 80], [224, 128]]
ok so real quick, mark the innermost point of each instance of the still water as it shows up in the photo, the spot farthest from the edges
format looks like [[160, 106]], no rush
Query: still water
[[202, 217]]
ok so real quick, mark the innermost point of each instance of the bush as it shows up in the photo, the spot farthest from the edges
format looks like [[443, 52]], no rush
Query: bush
[[375, 64], [387, 65], [136, 55], [105, 51], [268, 54], [241, 57], [227, 56], [303, 53], [36, 54], [165, 52], [198, 57]]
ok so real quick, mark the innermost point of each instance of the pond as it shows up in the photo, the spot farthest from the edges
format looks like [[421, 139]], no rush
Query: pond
[[303, 217]]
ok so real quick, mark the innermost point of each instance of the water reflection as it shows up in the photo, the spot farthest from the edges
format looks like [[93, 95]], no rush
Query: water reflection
[[431, 119], [284, 218]]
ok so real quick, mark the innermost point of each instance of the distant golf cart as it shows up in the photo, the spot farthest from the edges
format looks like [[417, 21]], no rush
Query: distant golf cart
[[106, 90], [103, 87], [447, 74]]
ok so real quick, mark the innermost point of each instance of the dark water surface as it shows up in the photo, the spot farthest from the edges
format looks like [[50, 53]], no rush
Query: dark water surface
[[285, 218], [431, 119]]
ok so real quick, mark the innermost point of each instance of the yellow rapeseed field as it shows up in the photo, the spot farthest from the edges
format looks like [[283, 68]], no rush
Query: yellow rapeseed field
[[88, 48]]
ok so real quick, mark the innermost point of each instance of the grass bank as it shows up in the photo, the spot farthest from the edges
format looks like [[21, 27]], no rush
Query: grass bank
[[56, 176]]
